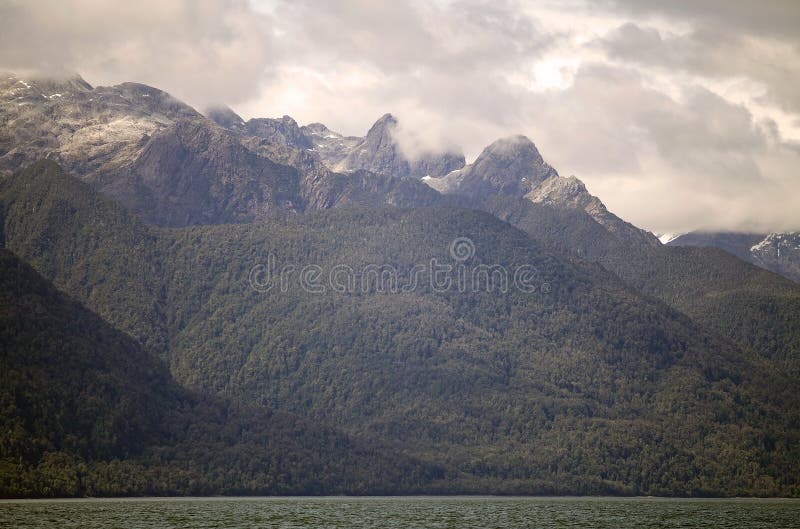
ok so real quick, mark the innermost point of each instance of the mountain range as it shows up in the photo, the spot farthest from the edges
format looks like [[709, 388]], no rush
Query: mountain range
[[624, 367], [778, 252]]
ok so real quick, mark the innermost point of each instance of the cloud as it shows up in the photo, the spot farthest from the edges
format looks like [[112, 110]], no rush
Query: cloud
[[404, 37], [717, 53], [770, 18], [679, 115], [353, 61], [679, 163], [202, 51]]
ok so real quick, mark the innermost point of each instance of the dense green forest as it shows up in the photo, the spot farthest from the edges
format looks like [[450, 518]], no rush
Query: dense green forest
[[86, 411], [757, 309], [581, 386]]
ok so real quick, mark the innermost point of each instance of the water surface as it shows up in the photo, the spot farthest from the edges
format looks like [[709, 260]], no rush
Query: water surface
[[396, 512]]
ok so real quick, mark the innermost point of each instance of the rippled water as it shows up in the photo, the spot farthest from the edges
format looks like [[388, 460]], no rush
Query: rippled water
[[438, 512]]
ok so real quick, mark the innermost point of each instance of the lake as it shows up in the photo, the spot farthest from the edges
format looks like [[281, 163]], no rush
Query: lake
[[395, 512]]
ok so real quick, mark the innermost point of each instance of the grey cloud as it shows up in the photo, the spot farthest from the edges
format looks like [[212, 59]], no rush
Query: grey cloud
[[442, 67], [635, 147], [390, 36], [200, 51], [720, 53], [415, 37], [772, 18], [705, 122]]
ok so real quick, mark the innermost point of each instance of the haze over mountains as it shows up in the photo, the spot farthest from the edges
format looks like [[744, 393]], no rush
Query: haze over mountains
[[631, 368]]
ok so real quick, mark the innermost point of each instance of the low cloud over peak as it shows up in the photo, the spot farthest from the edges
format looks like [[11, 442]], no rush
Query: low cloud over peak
[[679, 115]]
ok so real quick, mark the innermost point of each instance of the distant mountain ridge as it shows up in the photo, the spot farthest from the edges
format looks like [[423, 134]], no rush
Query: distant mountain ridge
[[173, 166], [378, 152], [192, 171], [778, 252]]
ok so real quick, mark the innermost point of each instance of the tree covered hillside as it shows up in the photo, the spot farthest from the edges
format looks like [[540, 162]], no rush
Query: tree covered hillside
[[756, 308], [86, 411], [580, 385]]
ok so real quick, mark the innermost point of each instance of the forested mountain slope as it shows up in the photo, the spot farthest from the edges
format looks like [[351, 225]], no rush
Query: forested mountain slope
[[580, 385], [86, 411], [758, 309]]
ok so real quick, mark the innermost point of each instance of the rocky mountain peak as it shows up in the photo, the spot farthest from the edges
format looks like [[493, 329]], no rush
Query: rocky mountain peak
[[568, 192], [279, 131], [509, 166], [143, 98], [384, 120], [511, 147], [519, 161], [318, 129], [385, 124], [92, 131], [72, 83], [513, 166], [380, 134], [571, 193], [35, 90], [561, 189], [330, 146]]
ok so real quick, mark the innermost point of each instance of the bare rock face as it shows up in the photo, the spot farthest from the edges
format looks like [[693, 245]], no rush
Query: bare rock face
[[329, 146], [144, 148], [779, 252], [366, 189], [89, 131], [514, 167], [323, 188], [192, 173], [570, 193], [173, 166], [378, 152], [283, 131], [509, 166]]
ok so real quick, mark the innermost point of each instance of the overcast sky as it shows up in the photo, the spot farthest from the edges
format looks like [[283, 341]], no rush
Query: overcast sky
[[678, 116]]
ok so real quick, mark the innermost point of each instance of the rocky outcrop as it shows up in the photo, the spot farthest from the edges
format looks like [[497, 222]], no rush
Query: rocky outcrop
[[329, 146], [193, 173], [174, 167], [283, 131], [514, 167], [509, 166], [570, 193], [89, 131]]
